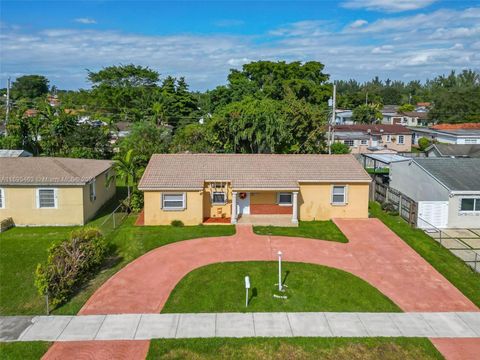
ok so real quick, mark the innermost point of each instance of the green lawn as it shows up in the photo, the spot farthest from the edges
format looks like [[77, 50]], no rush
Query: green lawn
[[323, 230], [454, 269], [23, 248], [295, 348], [220, 288], [23, 350]]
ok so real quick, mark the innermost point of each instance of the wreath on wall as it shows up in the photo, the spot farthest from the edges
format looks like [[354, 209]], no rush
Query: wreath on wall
[[242, 195]]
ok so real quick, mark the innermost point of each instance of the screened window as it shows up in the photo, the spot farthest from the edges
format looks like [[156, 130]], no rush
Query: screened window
[[470, 141], [470, 204], [284, 198], [348, 142], [219, 198], [2, 198], [173, 201], [46, 198], [363, 142], [339, 194], [93, 191], [401, 139]]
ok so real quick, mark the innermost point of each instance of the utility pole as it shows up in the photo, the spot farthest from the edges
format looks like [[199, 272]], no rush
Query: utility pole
[[7, 110], [366, 98], [331, 123]]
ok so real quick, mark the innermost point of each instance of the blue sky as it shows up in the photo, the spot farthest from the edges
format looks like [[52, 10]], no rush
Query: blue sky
[[397, 39]]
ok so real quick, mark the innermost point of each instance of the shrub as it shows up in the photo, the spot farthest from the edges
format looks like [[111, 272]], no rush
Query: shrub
[[389, 208], [69, 263], [177, 223], [423, 143], [136, 201]]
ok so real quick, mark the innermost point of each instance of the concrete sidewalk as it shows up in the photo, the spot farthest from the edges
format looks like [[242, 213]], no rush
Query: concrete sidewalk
[[153, 326]]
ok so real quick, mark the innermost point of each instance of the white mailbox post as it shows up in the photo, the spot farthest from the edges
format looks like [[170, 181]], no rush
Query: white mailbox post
[[279, 271], [247, 286]]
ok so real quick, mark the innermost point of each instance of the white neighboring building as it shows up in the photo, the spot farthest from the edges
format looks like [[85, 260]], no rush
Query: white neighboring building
[[344, 117], [447, 136], [447, 190]]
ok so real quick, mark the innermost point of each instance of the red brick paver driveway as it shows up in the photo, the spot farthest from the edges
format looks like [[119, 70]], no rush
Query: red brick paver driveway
[[374, 253]]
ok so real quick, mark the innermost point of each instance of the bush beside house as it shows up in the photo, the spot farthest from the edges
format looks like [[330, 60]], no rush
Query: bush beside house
[[70, 263]]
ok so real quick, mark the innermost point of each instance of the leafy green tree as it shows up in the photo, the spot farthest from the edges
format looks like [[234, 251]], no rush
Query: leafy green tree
[[275, 80], [423, 143], [250, 126], [123, 90], [29, 87], [128, 170], [367, 114], [86, 141], [456, 97], [406, 108], [145, 139], [192, 138], [340, 148]]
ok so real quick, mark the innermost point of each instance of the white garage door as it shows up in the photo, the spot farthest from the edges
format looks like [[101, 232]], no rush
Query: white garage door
[[432, 213]]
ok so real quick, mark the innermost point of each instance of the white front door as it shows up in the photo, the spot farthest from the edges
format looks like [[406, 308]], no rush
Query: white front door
[[432, 213], [243, 205]]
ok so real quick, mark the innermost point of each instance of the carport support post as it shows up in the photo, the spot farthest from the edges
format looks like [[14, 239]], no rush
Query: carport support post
[[234, 207], [295, 207]]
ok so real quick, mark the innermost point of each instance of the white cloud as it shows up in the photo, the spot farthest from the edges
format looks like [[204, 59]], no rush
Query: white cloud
[[358, 23], [85, 20], [387, 5], [384, 49], [389, 47]]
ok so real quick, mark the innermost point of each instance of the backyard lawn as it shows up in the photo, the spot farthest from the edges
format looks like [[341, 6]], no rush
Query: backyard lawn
[[23, 248], [323, 230], [295, 348], [220, 288], [454, 269]]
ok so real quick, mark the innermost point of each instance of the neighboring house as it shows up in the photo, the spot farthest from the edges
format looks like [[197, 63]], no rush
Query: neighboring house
[[406, 118], [53, 191], [423, 106], [344, 117], [374, 137], [14, 153], [468, 133], [195, 188], [447, 190], [453, 150]]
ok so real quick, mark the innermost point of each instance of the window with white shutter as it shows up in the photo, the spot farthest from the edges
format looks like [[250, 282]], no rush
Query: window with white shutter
[[46, 198]]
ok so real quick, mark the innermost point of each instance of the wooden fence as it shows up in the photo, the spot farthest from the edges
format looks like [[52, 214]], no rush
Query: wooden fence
[[405, 206]]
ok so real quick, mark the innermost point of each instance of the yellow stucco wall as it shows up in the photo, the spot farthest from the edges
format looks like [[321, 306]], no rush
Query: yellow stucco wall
[[217, 211], [21, 205], [73, 208], [103, 193], [154, 215], [263, 197], [314, 202]]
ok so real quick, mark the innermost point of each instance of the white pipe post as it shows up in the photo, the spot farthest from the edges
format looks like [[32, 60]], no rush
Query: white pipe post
[[279, 271]]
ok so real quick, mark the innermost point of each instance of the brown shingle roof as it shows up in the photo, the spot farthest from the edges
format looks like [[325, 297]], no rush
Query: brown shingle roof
[[248, 171], [376, 129], [50, 171]]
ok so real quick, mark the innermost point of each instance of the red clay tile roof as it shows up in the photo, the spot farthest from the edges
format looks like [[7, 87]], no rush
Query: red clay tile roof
[[375, 129], [456, 126], [248, 171], [50, 171]]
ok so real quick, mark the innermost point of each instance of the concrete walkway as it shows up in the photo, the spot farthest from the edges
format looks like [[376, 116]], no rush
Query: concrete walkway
[[225, 325], [374, 253]]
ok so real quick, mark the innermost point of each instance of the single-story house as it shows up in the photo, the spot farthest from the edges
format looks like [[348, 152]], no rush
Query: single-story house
[[453, 150], [196, 188], [365, 138], [14, 153], [447, 190], [43, 191], [468, 133]]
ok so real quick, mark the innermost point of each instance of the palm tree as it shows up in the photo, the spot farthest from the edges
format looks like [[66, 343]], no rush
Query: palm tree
[[127, 169]]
